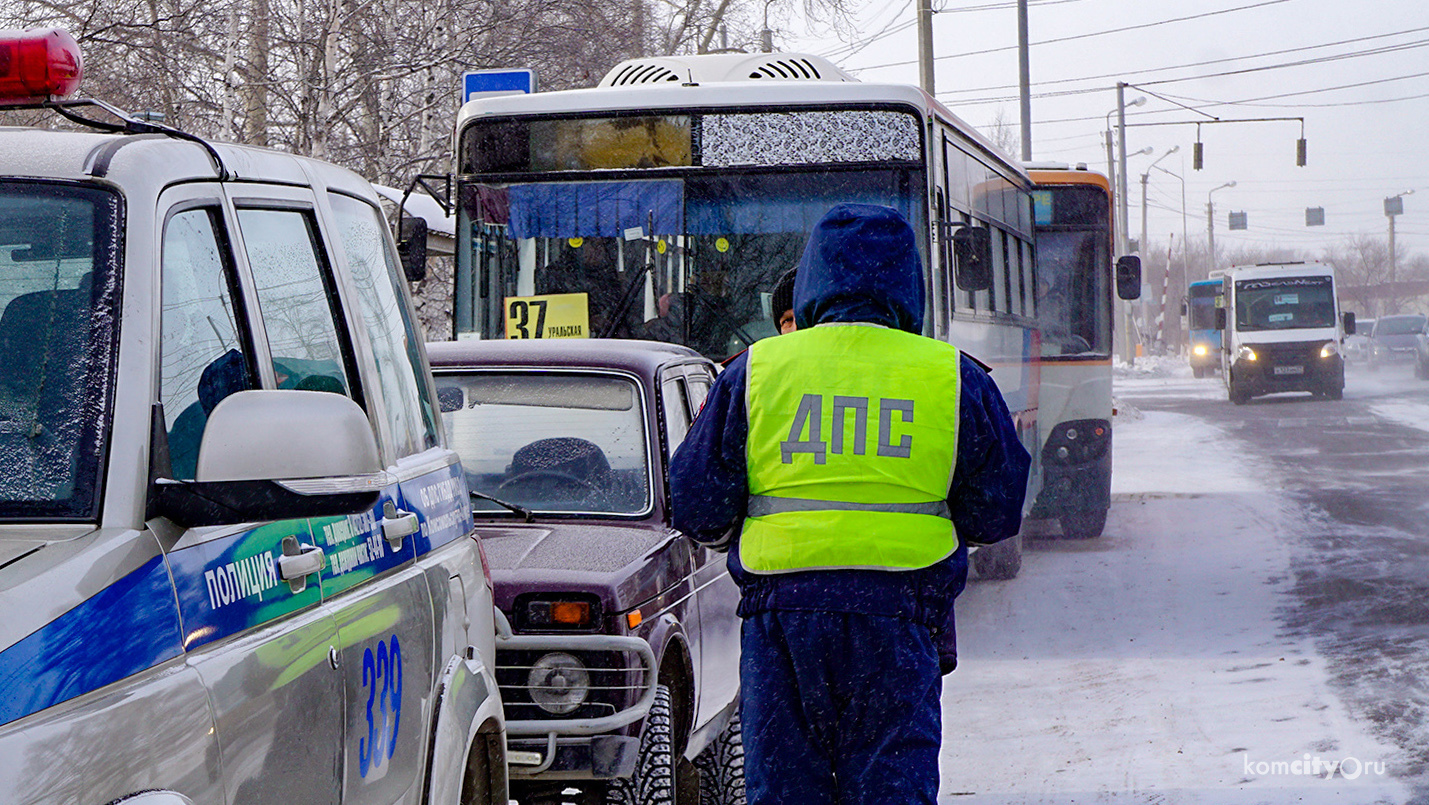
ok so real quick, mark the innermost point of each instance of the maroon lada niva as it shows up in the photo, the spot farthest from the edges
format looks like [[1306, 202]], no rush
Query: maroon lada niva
[[618, 652]]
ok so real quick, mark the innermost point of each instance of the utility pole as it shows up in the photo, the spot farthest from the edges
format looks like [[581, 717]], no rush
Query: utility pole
[[925, 45], [1024, 78], [1123, 246]]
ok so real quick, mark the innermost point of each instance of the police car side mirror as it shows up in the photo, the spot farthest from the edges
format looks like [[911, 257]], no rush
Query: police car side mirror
[[412, 247], [1128, 277], [972, 251], [1349, 318], [277, 455], [1220, 318]]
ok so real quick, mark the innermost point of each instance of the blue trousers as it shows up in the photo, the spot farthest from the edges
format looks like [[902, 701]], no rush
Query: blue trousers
[[839, 709]]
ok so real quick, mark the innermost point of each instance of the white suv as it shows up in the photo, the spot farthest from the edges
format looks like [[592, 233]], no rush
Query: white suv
[[237, 561]]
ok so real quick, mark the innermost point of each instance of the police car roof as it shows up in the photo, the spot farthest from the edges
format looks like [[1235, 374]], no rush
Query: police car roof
[[133, 160], [639, 357]]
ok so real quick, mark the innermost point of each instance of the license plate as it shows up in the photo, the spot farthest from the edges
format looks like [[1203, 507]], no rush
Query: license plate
[[1290, 370]]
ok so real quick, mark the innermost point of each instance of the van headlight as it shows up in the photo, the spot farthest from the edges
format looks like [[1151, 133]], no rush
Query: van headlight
[[559, 683], [1246, 354], [1331, 348]]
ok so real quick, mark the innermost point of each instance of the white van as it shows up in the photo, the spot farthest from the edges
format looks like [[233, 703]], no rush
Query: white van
[[1282, 331], [237, 560]]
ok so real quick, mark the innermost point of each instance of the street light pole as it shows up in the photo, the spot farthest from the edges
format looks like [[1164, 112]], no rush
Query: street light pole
[[1211, 224], [1144, 178]]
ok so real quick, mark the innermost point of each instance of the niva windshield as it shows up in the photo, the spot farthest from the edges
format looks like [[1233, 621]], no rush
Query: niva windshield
[[59, 244], [551, 442], [1285, 304]]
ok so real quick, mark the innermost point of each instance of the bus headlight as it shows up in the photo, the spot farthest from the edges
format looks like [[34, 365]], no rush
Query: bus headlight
[[559, 683], [1199, 350], [1246, 354], [1331, 348]]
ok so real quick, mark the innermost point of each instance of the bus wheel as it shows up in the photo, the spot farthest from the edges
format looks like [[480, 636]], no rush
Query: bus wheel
[[1237, 394], [1083, 525], [1001, 561]]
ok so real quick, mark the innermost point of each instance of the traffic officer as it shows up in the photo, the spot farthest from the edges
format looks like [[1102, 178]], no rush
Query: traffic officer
[[851, 463]]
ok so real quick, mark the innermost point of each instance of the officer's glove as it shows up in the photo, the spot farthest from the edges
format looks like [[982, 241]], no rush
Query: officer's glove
[[720, 544]]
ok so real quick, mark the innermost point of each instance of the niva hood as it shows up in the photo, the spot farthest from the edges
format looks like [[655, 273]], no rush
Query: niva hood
[[861, 264]]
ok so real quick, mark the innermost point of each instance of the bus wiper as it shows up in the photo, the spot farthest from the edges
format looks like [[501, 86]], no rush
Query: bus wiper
[[526, 514]]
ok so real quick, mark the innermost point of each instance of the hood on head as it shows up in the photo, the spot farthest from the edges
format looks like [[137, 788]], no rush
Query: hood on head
[[861, 264]]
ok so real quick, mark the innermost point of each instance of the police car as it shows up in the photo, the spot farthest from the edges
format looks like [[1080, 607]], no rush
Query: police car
[[237, 561]]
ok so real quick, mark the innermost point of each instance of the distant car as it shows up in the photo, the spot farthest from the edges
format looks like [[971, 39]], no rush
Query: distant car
[[619, 655], [1357, 346], [1394, 339]]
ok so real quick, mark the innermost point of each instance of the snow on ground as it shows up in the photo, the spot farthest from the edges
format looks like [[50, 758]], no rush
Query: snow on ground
[[1410, 413], [1148, 666]]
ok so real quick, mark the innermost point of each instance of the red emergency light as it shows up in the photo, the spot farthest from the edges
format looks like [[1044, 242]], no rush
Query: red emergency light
[[38, 65]]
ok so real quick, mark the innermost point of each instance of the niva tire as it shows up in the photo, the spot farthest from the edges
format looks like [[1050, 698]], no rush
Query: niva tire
[[721, 767], [1001, 561], [653, 782]]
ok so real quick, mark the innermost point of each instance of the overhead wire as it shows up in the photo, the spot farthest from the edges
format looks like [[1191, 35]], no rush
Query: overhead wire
[[1076, 37], [1191, 65]]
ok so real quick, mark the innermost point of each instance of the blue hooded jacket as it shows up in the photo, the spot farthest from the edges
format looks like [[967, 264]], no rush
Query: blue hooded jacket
[[861, 264]]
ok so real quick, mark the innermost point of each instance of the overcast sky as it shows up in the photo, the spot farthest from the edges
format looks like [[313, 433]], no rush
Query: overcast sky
[[1365, 142]]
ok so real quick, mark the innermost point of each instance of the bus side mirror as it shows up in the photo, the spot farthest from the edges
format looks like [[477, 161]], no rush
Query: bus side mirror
[[1349, 318], [972, 249], [412, 247], [1128, 277], [1220, 318]]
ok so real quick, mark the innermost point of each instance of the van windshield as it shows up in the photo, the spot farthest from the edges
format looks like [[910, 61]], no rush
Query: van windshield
[[59, 247], [1284, 303]]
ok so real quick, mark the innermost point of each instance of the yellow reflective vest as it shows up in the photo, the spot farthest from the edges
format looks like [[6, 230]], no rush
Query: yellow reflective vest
[[853, 434]]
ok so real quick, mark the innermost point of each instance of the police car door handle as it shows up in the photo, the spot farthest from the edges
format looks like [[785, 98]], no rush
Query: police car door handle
[[396, 525], [298, 562]]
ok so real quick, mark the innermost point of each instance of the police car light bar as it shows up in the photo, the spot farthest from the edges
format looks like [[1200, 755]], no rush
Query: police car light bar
[[38, 65]]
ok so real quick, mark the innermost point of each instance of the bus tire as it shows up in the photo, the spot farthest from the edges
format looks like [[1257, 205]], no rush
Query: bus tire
[[1083, 525], [1237, 394], [1001, 561]]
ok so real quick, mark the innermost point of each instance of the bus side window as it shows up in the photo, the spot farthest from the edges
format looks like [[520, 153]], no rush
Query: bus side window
[[1029, 280], [999, 271]]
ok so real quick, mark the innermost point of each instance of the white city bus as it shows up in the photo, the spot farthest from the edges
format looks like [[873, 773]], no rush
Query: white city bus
[[666, 202]]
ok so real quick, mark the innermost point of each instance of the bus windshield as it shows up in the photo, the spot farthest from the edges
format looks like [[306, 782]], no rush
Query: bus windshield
[[1201, 306], [658, 228], [1284, 304], [1073, 269]]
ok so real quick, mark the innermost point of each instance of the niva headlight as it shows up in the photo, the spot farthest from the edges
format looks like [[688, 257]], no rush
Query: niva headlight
[[559, 683]]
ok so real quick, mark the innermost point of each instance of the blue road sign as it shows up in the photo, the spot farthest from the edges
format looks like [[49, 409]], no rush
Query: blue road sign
[[496, 82]]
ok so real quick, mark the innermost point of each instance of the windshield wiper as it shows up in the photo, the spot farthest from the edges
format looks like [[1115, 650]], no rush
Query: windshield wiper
[[526, 514]]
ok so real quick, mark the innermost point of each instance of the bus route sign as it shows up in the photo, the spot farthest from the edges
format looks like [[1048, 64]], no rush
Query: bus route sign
[[558, 315]]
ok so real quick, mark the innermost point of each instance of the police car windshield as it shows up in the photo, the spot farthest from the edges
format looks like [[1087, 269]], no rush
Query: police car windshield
[[551, 442], [58, 293]]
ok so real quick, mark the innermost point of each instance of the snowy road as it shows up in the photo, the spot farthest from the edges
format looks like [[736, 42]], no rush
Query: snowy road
[[1257, 609]]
